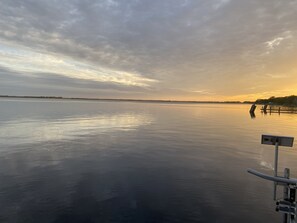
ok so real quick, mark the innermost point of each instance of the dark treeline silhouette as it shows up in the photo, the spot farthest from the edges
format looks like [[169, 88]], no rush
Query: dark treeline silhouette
[[115, 99], [283, 101]]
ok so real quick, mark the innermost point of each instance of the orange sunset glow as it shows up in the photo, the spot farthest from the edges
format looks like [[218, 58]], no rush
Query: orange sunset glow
[[179, 50]]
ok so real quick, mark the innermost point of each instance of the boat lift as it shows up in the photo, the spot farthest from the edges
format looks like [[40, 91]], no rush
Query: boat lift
[[286, 205]]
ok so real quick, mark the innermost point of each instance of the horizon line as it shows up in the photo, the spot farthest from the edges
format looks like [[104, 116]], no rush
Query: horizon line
[[120, 99]]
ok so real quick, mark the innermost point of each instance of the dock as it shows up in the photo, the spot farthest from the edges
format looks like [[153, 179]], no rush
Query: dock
[[274, 109], [278, 109]]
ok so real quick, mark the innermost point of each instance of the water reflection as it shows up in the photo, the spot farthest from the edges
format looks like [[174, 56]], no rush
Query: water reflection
[[185, 162], [252, 114], [22, 131]]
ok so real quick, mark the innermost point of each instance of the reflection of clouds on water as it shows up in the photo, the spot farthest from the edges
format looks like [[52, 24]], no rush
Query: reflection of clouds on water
[[36, 130], [266, 158], [267, 165]]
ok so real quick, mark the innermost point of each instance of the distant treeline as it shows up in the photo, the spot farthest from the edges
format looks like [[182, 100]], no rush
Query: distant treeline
[[284, 101], [51, 97], [115, 99]]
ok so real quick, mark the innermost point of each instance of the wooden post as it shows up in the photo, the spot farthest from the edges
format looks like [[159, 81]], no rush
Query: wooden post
[[253, 108], [265, 108]]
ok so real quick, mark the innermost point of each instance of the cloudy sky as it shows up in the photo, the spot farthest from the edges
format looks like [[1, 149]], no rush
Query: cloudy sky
[[149, 49]]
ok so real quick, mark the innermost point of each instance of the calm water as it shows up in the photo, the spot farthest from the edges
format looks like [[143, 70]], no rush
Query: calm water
[[79, 161]]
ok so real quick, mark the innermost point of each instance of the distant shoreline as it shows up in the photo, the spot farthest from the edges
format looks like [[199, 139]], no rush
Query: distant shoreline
[[125, 100], [290, 101]]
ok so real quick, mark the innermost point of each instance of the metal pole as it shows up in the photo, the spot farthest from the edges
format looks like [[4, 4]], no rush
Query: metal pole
[[292, 197], [275, 167], [286, 192], [276, 159]]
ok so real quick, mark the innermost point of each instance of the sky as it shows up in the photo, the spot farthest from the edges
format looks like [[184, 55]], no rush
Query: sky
[[149, 49]]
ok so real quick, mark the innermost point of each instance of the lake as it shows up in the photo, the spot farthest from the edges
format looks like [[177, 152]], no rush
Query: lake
[[102, 161]]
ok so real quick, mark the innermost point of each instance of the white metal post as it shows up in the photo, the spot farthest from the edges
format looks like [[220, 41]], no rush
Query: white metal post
[[276, 159], [275, 168]]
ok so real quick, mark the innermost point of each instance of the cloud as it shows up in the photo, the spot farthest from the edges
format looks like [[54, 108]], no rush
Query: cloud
[[274, 43], [277, 76], [203, 92], [158, 45], [14, 83], [28, 61], [220, 3]]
